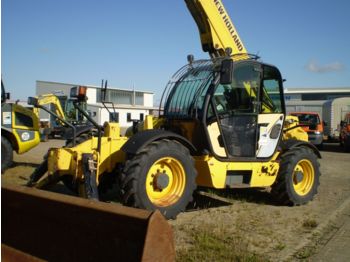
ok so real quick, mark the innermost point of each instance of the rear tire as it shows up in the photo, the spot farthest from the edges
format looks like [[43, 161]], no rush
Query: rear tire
[[6, 153], [298, 178], [162, 176]]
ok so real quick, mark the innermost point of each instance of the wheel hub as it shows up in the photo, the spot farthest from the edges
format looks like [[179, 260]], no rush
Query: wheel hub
[[161, 181], [299, 176]]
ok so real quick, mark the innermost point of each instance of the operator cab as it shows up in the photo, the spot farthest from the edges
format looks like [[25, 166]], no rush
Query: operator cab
[[230, 117]]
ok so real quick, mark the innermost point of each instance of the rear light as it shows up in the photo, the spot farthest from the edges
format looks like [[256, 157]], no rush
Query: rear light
[[78, 92]]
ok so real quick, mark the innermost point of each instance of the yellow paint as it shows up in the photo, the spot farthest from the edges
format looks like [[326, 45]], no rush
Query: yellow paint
[[216, 28], [112, 130], [27, 112], [291, 130], [175, 172], [26, 145], [47, 99], [212, 172], [68, 161], [148, 124], [305, 169]]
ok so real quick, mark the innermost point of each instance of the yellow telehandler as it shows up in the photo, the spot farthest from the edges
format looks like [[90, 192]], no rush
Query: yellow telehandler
[[222, 125]]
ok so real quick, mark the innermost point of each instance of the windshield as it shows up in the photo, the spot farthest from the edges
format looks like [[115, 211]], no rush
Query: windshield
[[186, 91], [239, 96], [307, 119]]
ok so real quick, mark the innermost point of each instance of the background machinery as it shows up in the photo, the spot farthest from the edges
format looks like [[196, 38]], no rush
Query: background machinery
[[223, 125], [19, 129], [63, 114], [313, 125], [344, 136]]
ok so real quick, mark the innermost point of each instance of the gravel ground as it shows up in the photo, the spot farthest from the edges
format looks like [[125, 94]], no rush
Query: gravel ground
[[274, 232]]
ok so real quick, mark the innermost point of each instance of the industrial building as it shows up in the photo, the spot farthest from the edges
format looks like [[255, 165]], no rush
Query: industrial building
[[128, 104], [312, 99], [331, 104]]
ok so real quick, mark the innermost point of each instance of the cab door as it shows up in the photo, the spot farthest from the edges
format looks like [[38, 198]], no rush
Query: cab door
[[272, 112], [245, 118], [233, 113]]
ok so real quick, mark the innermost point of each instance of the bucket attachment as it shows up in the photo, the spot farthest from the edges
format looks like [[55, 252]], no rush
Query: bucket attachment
[[40, 225]]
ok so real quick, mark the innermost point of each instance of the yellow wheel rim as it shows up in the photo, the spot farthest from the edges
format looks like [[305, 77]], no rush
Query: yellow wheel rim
[[165, 182], [303, 177]]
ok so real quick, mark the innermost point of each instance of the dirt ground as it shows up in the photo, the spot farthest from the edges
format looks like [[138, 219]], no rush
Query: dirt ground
[[274, 232]]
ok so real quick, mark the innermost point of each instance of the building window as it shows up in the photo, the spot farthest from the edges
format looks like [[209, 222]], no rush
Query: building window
[[311, 97], [139, 98], [113, 117], [116, 96], [128, 117], [141, 116]]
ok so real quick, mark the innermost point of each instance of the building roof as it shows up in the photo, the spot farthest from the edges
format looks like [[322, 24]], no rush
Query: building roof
[[119, 106], [316, 90], [97, 87]]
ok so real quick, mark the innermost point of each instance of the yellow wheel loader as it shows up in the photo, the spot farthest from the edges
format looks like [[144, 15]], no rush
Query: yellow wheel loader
[[222, 125], [19, 129]]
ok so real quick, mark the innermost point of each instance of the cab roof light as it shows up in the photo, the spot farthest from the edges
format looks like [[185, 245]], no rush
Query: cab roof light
[[78, 92]]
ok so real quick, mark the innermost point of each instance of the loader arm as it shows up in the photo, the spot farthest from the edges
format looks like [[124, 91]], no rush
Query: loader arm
[[217, 32]]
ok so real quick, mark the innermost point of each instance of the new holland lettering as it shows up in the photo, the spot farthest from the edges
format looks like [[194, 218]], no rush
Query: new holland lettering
[[228, 24]]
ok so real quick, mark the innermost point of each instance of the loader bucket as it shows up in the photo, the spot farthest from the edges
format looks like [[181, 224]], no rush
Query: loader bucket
[[39, 225]]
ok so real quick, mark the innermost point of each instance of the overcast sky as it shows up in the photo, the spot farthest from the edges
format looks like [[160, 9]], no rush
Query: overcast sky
[[142, 43]]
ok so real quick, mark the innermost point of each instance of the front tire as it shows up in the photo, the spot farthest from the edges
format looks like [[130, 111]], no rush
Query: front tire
[[298, 178], [162, 176], [6, 153]]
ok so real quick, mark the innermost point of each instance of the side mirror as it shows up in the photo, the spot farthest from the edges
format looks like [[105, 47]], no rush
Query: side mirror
[[7, 96], [33, 101], [226, 72], [342, 123], [324, 123]]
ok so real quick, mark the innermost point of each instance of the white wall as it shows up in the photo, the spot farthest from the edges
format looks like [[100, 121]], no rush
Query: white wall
[[101, 115], [91, 94], [148, 99]]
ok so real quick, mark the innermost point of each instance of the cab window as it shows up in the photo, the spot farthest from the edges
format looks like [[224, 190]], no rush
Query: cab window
[[271, 94], [239, 96]]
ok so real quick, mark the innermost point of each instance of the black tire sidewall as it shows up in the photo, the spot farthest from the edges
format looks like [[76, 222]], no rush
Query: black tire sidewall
[[300, 155], [6, 153], [187, 165]]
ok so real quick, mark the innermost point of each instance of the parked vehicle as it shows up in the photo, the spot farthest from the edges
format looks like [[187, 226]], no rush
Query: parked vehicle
[[333, 112], [224, 125], [345, 133], [19, 129], [312, 124]]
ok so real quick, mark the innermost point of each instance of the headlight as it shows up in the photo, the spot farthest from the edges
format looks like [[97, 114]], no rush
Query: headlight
[[317, 133]]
